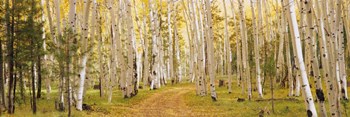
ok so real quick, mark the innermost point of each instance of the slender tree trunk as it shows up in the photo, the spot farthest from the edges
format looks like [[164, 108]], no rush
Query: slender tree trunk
[[46, 57], [171, 51], [10, 40], [324, 58], [256, 47], [154, 45], [21, 82], [138, 45], [228, 51], [114, 33], [195, 37], [296, 66], [33, 73], [280, 56], [238, 48], [288, 51], [246, 69], [190, 17], [341, 51], [131, 53], [2, 88], [314, 60], [85, 53], [39, 72], [146, 60], [177, 51], [210, 51], [328, 56], [102, 80], [61, 69], [310, 106]]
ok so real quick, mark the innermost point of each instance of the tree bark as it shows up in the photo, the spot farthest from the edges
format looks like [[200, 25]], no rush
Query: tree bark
[[228, 51], [314, 60], [85, 53], [2, 88], [10, 39], [256, 46], [246, 69], [146, 59], [52, 36], [210, 51], [310, 106]]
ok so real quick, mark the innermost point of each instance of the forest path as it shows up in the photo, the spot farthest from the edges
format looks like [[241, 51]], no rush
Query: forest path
[[166, 103]]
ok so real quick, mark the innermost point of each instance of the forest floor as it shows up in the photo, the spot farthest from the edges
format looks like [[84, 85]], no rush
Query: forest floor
[[180, 100]]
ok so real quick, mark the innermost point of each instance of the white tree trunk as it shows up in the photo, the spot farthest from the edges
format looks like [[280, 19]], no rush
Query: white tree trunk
[[58, 35], [310, 106], [154, 46], [170, 43], [228, 51], [138, 46], [325, 57], [115, 49], [85, 54], [210, 51], [238, 48], [313, 54], [47, 57], [244, 37], [130, 81], [146, 60], [256, 47], [284, 29]]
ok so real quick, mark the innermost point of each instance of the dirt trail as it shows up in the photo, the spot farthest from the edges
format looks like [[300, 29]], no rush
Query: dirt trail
[[167, 103]]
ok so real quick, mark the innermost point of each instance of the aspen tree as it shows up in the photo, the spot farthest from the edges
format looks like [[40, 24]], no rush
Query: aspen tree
[[280, 56], [177, 48], [158, 44], [238, 48], [228, 51], [99, 38], [191, 41], [310, 106], [52, 35], [94, 18], [341, 51], [201, 55], [130, 78], [72, 28], [246, 69], [325, 57], [256, 48], [138, 45], [115, 50], [284, 28], [84, 50], [161, 69], [195, 37], [280, 50], [331, 27], [146, 60], [295, 59], [122, 62], [210, 50], [58, 36], [170, 49], [188, 31], [205, 36], [154, 45], [314, 60]]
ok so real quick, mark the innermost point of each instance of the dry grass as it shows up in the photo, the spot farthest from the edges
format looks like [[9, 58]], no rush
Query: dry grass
[[178, 100]]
